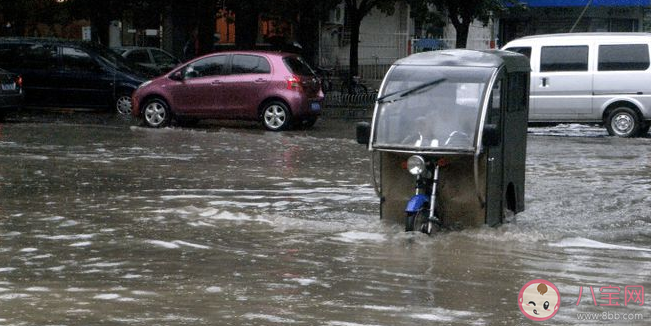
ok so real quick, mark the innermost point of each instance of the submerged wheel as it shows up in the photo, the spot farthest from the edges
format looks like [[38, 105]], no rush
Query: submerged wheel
[[276, 116], [415, 221], [123, 104], [156, 113], [623, 122]]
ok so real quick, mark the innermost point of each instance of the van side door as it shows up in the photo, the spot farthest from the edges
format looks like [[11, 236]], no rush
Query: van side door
[[561, 84], [83, 82]]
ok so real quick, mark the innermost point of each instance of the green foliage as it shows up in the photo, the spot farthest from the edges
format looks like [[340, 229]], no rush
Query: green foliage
[[463, 13]]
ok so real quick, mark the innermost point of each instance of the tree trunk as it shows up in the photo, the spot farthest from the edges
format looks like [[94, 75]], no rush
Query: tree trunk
[[246, 28], [206, 26], [462, 34], [100, 29], [307, 33], [355, 23]]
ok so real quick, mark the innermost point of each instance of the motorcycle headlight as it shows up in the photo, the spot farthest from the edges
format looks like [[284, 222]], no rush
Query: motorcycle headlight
[[416, 165]]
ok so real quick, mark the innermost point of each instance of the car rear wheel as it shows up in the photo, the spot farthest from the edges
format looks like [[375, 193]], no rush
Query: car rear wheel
[[276, 116], [623, 122], [123, 104], [156, 113]]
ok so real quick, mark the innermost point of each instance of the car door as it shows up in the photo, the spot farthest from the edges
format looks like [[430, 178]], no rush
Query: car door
[[245, 88], [142, 58], [200, 90], [561, 83], [82, 81]]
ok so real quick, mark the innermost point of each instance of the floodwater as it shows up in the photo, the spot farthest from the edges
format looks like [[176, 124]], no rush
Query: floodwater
[[114, 224]]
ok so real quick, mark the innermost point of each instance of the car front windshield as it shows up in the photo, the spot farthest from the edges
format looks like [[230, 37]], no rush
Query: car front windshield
[[430, 107]]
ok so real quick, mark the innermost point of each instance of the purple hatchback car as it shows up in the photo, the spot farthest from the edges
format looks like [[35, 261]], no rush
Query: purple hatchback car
[[278, 89]]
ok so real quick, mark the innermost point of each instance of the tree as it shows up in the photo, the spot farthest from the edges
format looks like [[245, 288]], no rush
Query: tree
[[463, 13], [356, 10], [305, 16]]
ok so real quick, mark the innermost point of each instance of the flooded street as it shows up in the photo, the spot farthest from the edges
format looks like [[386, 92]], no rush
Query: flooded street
[[115, 224]]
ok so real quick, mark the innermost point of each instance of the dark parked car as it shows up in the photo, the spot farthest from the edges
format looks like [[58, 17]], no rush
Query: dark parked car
[[66, 73], [278, 89], [11, 92], [154, 60]]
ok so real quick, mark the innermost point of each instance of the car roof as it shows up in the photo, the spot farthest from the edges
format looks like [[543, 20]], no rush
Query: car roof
[[259, 52], [469, 58]]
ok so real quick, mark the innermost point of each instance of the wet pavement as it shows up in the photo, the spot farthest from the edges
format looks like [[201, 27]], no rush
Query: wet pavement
[[103, 222]]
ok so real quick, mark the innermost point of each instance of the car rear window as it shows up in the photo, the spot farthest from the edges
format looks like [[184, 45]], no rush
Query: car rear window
[[250, 64], [298, 66]]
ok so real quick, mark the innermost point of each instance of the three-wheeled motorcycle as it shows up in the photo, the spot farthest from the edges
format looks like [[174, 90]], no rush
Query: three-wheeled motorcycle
[[448, 139]]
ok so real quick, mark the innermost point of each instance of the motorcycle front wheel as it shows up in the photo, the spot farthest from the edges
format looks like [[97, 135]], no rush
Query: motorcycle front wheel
[[415, 221]]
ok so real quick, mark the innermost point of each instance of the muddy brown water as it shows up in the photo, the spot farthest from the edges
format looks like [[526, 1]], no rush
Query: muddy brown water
[[114, 224]]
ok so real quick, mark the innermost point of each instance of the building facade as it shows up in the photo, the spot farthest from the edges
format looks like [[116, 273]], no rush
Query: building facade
[[565, 16]]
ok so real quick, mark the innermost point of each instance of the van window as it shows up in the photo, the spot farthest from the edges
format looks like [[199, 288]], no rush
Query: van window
[[619, 57], [28, 56], [77, 60], [525, 50], [564, 58]]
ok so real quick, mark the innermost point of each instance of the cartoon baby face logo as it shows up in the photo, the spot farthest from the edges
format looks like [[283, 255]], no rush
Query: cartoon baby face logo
[[539, 300]]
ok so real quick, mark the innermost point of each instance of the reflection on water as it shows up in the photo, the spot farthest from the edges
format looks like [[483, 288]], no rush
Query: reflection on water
[[111, 225]]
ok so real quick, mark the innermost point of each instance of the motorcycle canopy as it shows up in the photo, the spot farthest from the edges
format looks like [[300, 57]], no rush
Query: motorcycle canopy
[[435, 101], [431, 107]]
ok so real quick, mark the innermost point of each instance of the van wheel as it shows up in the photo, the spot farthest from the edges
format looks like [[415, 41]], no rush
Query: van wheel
[[156, 113], [123, 104], [623, 122], [276, 116]]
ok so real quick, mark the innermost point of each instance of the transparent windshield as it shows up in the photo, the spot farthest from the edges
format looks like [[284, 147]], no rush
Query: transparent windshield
[[430, 107]]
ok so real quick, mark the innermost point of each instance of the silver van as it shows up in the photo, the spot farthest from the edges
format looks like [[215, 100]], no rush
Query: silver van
[[590, 77]]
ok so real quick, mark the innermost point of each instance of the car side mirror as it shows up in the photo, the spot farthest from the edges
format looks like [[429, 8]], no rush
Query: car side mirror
[[177, 75], [491, 135], [363, 130]]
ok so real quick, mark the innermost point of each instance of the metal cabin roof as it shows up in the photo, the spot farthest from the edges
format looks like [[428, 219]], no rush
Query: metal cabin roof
[[469, 58]]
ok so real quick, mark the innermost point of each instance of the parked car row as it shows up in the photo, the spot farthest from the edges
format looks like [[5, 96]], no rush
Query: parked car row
[[63, 73], [581, 77], [278, 89]]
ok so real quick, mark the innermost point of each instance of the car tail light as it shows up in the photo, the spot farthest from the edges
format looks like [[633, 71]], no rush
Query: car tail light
[[293, 82], [19, 81]]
